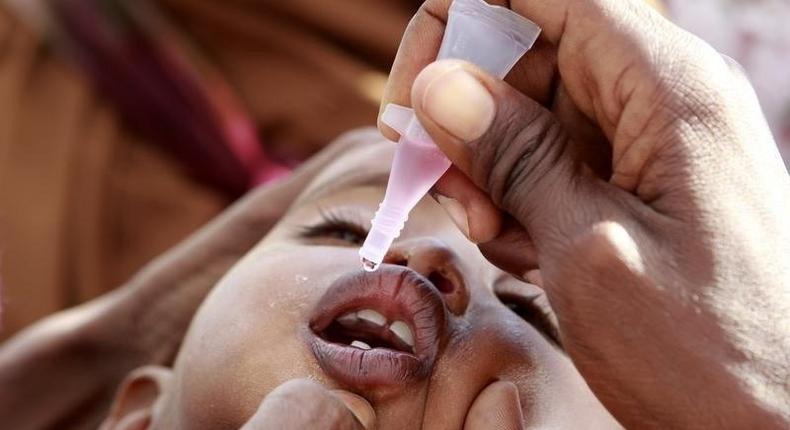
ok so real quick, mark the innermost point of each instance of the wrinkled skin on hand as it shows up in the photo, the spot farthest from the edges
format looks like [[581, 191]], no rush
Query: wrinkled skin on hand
[[630, 163]]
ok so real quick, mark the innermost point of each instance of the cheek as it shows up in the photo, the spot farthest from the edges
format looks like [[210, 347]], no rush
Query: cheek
[[495, 344], [249, 336], [549, 384]]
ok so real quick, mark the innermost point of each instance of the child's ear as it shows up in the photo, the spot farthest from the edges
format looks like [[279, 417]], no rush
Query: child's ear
[[138, 398]]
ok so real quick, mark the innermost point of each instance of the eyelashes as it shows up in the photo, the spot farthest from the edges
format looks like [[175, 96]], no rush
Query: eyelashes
[[338, 226]]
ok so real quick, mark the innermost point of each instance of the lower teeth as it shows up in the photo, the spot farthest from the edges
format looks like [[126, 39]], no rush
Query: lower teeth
[[359, 344]]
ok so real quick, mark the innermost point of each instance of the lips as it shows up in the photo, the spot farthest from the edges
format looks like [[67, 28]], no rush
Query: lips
[[378, 329]]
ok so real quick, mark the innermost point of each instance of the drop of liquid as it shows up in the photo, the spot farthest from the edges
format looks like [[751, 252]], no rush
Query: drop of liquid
[[369, 266]]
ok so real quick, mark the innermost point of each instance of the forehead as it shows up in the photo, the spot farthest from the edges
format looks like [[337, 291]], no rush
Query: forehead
[[365, 164]]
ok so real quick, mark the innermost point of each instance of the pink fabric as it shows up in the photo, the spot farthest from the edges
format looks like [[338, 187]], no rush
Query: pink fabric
[[756, 33], [156, 78]]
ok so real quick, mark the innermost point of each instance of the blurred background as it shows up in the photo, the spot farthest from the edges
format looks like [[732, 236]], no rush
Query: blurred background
[[127, 124]]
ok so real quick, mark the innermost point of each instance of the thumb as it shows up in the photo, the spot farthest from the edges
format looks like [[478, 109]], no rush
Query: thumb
[[510, 147], [305, 404], [358, 406], [496, 407]]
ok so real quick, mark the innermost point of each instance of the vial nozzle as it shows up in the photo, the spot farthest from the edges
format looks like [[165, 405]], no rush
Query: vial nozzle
[[369, 266], [415, 168]]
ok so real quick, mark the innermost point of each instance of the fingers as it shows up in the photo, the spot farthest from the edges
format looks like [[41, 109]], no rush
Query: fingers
[[508, 145], [468, 206], [496, 407], [556, 17], [420, 45], [418, 48], [358, 406], [577, 35], [512, 250], [304, 404], [605, 55]]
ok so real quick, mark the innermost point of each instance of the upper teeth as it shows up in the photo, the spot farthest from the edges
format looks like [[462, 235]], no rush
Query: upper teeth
[[402, 330], [399, 328], [371, 316], [348, 319]]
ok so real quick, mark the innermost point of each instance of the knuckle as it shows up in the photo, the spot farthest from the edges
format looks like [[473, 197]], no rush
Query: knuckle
[[610, 251], [516, 153], [696, 82], [692, 104]]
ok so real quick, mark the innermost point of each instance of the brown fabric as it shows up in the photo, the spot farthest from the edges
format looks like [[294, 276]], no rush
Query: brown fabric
[[84, 203], [308, 70]]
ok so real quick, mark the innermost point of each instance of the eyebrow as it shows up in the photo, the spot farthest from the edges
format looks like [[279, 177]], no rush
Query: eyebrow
[[350, 179]]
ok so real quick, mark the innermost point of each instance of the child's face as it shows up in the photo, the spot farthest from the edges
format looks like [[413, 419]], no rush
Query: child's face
[[275, 317]]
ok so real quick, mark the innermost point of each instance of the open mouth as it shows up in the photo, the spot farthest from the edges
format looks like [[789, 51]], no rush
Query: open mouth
[[378, 329], [367, 329]]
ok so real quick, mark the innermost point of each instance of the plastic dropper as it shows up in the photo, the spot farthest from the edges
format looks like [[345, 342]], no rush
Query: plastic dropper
[[491, 37]]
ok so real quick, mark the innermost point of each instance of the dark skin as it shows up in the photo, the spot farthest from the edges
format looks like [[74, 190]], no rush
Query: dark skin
[[630, 162]]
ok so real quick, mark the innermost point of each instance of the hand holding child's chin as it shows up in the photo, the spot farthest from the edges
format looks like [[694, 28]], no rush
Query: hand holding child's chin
[[302, 403]]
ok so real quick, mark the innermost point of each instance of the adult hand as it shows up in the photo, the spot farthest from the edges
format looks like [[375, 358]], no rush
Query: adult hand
[[74, 360], [303, 404], [496, 407], [633, 160]]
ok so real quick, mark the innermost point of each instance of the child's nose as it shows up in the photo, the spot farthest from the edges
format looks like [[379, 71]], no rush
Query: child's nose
[[434, 260]]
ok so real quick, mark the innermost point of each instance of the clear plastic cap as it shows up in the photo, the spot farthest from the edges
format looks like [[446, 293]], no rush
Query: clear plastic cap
[[490, 37]]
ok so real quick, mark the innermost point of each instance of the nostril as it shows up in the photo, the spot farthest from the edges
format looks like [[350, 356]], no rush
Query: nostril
[[396, 258], [399, 261], [444, 285], [434, 260]]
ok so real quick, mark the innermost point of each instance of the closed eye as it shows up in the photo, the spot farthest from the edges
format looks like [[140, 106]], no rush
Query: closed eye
[[336, 228]]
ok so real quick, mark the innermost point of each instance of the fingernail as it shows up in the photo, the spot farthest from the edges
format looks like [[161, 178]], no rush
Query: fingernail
[[456, 211], [358, 406], [458, 102]]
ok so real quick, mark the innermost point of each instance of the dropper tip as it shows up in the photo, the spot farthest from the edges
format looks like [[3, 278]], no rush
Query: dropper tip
[[369, 266]]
